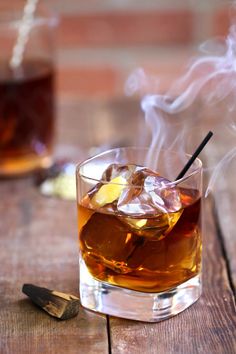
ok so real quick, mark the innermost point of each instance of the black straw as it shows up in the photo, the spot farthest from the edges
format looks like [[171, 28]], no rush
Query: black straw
[[195, 155]]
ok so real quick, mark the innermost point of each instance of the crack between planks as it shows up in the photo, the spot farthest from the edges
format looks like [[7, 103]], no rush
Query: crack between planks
[[109, 334], [223, 248]]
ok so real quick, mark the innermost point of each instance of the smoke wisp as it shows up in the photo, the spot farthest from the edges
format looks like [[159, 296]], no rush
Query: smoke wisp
[[209, 81]]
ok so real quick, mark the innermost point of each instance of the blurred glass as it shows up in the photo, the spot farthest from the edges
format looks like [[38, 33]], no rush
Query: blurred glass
[[26, 93]]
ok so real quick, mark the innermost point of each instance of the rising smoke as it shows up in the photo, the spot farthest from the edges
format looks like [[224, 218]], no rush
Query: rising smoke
[[210, 80]]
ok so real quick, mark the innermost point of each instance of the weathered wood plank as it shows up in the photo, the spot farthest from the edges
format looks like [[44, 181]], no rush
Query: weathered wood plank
[[38, 240], [224, 193], [209, 326], [38, 244]]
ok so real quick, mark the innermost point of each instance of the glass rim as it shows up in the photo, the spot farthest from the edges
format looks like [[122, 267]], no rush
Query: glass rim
[[170, 184]]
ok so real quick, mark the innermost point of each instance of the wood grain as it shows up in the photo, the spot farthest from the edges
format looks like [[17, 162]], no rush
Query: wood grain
[[223, 189], [208, 326], [225, 205], [38, 244]]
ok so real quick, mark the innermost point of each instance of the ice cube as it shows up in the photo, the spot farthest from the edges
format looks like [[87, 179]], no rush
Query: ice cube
[[165, 195], [112, 183], [108, 241], [155, 228], [142, 199], [148, 193], [115, 170], [109, 192], [150, 204]]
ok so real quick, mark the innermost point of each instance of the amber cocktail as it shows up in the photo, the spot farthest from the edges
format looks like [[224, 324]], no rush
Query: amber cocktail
[[139, 235]]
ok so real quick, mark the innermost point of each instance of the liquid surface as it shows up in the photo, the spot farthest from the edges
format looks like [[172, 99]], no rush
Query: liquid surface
[[149, 255], [26, 114]]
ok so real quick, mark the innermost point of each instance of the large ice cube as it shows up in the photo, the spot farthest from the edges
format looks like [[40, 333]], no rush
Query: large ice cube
[[150, 205], [108, 241], [139, 197], [115, 170], [155, 228], [113, 181], [109, 192], [148, 193]]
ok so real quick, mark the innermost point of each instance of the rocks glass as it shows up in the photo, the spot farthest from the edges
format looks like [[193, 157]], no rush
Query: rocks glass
[[139, 234]]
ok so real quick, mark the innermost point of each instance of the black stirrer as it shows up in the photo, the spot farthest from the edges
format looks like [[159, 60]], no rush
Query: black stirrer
[[195, 155]]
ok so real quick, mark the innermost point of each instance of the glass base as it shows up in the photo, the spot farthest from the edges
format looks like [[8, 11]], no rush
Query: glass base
[[148, 307], [23, 165]]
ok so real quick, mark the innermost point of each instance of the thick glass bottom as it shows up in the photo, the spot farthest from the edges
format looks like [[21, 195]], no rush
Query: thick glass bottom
[[148, 307], [23, 165]]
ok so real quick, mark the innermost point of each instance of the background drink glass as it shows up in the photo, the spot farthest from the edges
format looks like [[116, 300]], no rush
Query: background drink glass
[[26, 94], [143, 267]]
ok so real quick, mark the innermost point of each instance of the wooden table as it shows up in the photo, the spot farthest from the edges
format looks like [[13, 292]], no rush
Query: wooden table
[[38, 244]]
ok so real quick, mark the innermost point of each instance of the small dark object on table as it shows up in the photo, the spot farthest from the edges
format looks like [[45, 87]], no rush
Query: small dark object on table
[[57, 304]]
